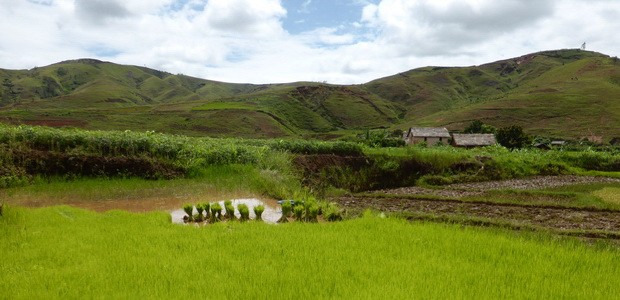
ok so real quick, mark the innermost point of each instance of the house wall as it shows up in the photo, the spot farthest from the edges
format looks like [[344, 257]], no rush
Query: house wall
[[431, 141]]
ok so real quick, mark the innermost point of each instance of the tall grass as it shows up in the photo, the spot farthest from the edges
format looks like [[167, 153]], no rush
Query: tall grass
[[62, 252]]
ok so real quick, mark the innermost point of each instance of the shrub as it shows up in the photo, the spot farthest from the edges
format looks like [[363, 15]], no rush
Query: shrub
[[258, 211], [434, 180], [513, 137], [244, 211], [332, 212]]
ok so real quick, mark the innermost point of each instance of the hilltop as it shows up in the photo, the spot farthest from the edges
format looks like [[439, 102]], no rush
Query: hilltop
[[563, 93]]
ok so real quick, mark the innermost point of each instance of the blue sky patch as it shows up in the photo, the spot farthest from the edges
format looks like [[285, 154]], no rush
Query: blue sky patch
[[307, 15]]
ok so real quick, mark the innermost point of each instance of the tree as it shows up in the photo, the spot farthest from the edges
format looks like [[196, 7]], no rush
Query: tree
[[477, 126], [513, 137]]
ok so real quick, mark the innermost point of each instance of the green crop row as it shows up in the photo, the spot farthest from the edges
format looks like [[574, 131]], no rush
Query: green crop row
[[63, 252]]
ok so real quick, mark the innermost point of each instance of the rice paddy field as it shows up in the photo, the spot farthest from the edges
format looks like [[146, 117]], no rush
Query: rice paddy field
[[65, 252], [86, 214]]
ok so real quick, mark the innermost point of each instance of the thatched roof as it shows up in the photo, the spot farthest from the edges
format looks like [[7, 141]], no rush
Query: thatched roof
[[473, 139], [428, 132]]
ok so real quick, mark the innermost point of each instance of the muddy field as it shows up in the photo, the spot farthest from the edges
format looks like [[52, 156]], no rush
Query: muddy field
[[478, 188], [588, 221]]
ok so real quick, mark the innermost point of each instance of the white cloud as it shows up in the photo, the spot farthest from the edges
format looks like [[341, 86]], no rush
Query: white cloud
[[244, 40], [98, 12], [258, 17]]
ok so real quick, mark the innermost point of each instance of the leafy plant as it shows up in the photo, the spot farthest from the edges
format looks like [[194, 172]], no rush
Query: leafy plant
[[513, 137], [207, 207], [258, 211], [298, 211], [216, 212], [287, 208], [332, 212], [229, 210], [200, 209], [244, 211], [313, 213], [189, 210], [477, 126]]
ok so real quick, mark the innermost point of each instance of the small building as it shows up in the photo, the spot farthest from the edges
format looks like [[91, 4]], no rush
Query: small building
[[542, 146], [429, 135], [557, 143], [471, 140]]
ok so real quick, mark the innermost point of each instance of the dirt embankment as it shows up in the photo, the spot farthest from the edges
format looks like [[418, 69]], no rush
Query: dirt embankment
[[581, 221], [538, 216], [477, 188]]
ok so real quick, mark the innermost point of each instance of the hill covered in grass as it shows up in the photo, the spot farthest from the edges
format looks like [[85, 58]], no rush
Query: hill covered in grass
[[563, 93]]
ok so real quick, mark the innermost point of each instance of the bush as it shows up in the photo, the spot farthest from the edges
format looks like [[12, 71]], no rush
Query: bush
[[434, 180], [332, 212], [513, 137]]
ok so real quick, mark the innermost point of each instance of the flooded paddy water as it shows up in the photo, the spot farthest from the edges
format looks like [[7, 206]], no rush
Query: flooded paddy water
[[271, 214]]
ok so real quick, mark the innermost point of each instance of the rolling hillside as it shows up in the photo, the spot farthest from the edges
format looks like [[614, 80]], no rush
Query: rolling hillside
[[563, 93]]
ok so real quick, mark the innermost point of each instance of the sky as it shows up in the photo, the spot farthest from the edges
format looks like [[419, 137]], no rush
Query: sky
[[277, 41]]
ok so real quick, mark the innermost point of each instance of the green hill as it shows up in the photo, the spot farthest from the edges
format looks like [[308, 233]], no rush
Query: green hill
[[567, 93], [563, 93]]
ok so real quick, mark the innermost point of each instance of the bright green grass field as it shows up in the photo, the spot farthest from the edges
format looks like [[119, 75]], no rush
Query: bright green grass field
[[63, 252]]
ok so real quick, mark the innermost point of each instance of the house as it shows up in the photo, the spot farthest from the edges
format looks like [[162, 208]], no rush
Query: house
[[473, 140], [430, 135], [542, 146], [557, 143]]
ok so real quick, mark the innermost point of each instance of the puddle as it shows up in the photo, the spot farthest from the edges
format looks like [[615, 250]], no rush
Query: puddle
[[271, 214]]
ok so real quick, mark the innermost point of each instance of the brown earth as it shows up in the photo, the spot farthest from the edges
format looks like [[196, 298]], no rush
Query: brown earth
[[579, 221], [478, 188], [537, 216], [61, 163]]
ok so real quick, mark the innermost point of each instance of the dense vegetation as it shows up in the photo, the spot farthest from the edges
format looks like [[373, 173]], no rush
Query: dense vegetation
[[27, 152], [541, 92]]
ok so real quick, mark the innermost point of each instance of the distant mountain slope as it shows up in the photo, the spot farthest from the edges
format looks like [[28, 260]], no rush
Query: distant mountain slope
[[89, 83], [564, 93]]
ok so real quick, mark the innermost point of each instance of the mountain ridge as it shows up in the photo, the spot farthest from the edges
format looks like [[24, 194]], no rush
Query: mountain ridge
[[541, 92]]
